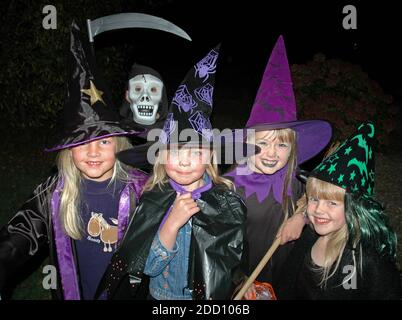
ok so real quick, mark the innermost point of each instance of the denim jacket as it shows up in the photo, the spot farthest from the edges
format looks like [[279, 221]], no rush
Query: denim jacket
[[168, 268], [218, 251]]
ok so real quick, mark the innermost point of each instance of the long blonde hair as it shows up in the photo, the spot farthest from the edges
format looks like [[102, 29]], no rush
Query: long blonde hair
[[337, 242], [70, 197], [286, 136], [159, 176]]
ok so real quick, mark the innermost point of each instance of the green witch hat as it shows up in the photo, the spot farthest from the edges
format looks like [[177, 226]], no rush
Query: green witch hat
[[351, 166]]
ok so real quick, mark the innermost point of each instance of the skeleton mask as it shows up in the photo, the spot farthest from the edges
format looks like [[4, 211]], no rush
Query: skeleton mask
[[145, 94]]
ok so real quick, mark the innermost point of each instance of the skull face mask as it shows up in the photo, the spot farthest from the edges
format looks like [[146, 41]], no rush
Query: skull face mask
[[144, 95]]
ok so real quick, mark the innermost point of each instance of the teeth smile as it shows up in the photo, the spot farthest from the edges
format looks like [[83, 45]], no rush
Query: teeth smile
[[321, 220], [93, 163], [269, 163]]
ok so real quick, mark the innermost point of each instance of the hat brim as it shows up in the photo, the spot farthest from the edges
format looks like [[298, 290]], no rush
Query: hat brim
[[312, 135], [227, 153], [129, 124], [86, 134]]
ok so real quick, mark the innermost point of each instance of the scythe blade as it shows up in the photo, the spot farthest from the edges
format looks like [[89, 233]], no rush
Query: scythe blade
[[132, 20]]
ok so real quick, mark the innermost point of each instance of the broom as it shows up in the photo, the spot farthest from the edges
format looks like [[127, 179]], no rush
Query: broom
[[258, 269], [301, 205]]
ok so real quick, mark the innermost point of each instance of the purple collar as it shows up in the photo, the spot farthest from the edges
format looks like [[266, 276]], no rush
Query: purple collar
[[260, 184], [195, 194]]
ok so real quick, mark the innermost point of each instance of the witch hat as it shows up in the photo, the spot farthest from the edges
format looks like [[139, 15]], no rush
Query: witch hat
[[351, 165], [275, 107], [127, 113], [189, 113], [88, 112]]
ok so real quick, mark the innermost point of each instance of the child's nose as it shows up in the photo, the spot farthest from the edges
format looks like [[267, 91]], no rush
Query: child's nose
[[270, 151], [184, 158], [93, 149], [320, 207]]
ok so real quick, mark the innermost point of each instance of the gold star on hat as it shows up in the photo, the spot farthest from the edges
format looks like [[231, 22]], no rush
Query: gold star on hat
[[94, 93]]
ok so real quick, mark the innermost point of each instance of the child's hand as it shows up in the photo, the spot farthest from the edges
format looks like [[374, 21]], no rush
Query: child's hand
[[250, 293], [184, 207], [292, 228]]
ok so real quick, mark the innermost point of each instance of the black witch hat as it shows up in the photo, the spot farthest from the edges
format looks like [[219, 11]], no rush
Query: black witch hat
[[187, 122], [88, 112]]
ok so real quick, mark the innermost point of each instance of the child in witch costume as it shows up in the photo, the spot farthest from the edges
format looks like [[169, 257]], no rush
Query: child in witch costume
[[350, 251], [187, 240], [267, 181], [82, 211]]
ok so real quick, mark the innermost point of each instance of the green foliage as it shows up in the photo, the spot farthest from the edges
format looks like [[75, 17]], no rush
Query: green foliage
[[343, 94]]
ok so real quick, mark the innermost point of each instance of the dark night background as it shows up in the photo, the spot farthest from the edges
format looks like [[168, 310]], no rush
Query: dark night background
[[248, 31], [33, 73]]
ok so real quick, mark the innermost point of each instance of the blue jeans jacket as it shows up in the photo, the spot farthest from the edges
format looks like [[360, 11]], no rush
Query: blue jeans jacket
[[168, 269]]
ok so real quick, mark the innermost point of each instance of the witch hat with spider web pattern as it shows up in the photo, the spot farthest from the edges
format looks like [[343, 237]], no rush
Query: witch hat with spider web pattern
[[188, 120]]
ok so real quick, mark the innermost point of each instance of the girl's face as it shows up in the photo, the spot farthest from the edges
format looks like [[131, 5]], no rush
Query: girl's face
[[327, 215], [96, 159], [274, 154], [186, 166]]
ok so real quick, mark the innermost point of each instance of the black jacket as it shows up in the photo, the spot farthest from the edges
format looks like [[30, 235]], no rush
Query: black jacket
[[379, 278], [221, 218], [35, 226]]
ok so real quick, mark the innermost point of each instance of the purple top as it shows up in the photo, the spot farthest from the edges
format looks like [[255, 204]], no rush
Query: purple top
[[260, 184], [66, 262]]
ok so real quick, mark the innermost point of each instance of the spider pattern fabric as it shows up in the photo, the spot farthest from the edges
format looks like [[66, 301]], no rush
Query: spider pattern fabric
[[207, 65], [168, 128], [205, 94], [184, 100], [201, 124]]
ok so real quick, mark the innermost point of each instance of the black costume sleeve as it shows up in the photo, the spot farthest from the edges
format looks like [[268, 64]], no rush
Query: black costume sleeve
[[222, 218], [380, 278], [284, 284], [26, 232]]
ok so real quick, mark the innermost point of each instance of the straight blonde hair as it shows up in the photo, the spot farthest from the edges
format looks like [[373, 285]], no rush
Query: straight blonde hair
[[70, 197], [319, 189], [159, 176]]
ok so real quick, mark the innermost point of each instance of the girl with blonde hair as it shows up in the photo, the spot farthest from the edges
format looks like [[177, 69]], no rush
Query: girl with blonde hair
[[350, 251], [187, 238], [267, 181], [82, 211]]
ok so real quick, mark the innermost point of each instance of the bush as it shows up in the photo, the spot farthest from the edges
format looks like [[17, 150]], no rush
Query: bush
[[344, 95]]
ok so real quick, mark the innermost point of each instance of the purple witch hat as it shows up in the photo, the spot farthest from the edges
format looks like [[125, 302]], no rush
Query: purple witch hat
[[190, 110], [275, 107], [88, 112]]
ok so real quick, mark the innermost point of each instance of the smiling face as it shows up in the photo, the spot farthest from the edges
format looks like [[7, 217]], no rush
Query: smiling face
[[95, 160], [187, 165], [326, 207], [276, 148]]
